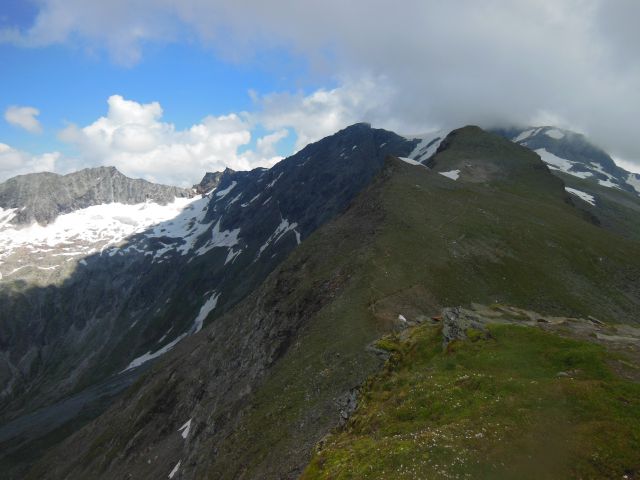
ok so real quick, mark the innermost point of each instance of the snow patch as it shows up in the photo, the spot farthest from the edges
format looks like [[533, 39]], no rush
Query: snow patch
[[175, 469], [185, 429], [271, 184], [251, 201], [220, 238], [607, 183], [223, 193], [410, 161], [428, 145], [554, 133], [142, 359], [231, 255], [452, 174], [7, 215], [207, 308], [582, 195], [581, 174], [634, 180], [279, 232], [523, 135], [611, 181], [235, 199], [554, 161]]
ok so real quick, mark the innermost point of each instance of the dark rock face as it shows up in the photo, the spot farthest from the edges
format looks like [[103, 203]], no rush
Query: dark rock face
[[138, 298], [211, 380], [41, 197], [210, 181]]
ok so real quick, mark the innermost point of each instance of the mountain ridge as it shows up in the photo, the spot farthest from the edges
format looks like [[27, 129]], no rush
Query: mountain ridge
[[117, 305], [256, 304], [411, 243]]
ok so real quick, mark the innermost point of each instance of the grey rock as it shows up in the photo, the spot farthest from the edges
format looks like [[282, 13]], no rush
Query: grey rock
[[210, 181], [347, 405], [457, 321]]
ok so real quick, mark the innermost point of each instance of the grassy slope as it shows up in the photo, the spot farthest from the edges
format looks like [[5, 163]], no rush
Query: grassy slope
[[510, 242], [489, 408], [439, 243], [492, 409]]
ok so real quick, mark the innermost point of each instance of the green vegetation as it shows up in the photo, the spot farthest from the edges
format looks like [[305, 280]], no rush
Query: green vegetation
[[488, 408]]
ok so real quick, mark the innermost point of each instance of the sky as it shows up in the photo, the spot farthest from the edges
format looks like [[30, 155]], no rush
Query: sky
[[167, 90]]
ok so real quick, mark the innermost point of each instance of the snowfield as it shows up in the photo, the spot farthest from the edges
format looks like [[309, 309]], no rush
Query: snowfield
[[89, 229]]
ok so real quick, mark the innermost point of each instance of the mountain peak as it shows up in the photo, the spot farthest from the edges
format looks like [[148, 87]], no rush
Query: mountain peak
[[484, 157], [41, 197]]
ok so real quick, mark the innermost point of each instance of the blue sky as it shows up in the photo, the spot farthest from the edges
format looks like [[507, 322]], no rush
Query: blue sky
[[168, 89], [189, 81]]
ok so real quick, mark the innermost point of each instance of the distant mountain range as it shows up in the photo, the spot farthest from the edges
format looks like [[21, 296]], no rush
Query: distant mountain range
[[246, 309]]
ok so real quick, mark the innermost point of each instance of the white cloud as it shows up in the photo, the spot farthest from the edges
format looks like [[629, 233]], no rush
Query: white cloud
[[449, 63], [133, 138], [23, 117], [14, 162]]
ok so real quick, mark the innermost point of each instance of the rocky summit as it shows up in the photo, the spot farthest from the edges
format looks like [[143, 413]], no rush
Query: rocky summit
[[462, 304]]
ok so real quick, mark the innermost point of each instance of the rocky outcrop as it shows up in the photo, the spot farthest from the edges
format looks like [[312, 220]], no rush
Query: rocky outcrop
[[210, 181], [458, 322]]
